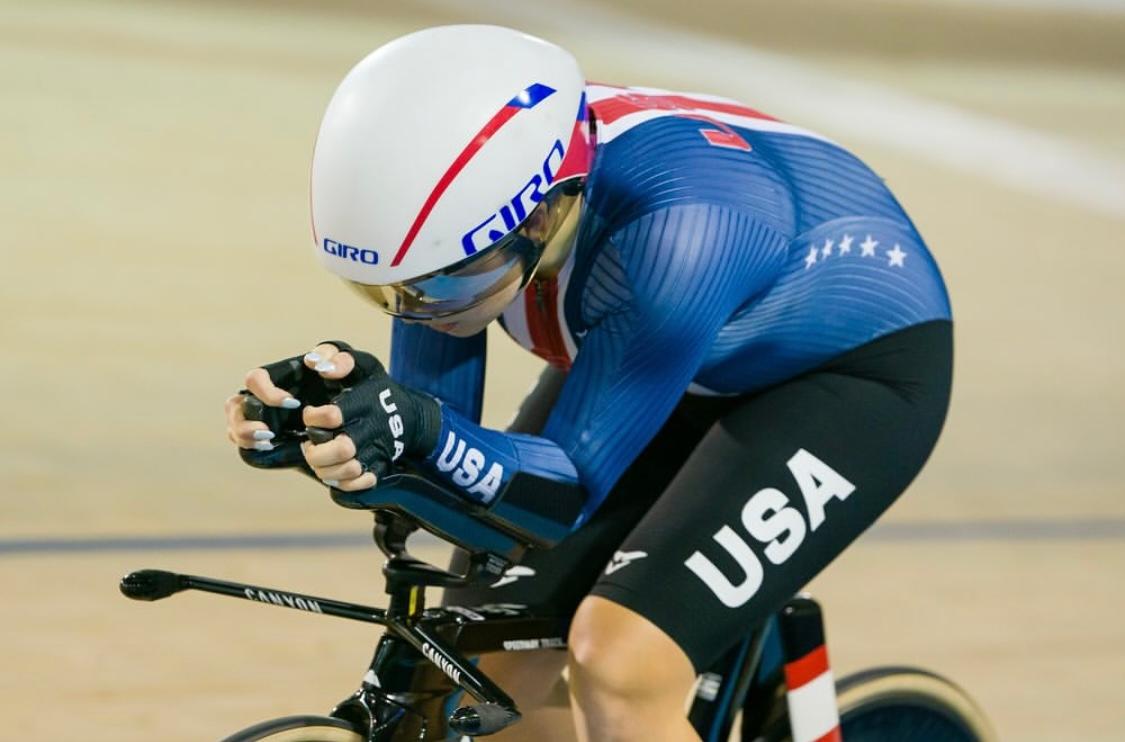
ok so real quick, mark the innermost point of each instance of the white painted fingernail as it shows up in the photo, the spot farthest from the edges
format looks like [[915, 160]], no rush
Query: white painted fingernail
[[331, 482], [290, 403], [312, 357], [325, 367], [263, 435], [263, 446]]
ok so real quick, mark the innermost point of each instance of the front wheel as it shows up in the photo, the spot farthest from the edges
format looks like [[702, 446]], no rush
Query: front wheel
[[299, 729], [901, 704]]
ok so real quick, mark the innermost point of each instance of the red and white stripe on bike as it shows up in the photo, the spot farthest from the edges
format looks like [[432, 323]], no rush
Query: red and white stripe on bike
[[811, 696]]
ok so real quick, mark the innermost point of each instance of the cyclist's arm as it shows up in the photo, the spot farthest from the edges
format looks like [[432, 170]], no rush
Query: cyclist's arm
[[443, 366], [635, 363]]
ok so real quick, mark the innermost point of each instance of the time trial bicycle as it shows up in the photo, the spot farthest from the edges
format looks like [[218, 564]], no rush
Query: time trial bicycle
[[774, 685]]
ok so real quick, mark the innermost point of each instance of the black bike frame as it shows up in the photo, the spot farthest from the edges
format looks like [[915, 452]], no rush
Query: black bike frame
[[422, 665]]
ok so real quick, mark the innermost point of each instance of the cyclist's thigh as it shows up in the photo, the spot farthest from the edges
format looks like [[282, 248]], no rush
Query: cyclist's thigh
[[781, 485]]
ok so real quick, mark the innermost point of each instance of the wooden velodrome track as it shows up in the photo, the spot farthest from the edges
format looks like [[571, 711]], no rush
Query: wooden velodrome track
[[154, 162]]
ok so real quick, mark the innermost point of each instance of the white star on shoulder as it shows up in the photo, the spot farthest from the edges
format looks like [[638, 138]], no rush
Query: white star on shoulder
[[827, 249], [810, 259], [846, 244], [897, 256], [867, 247]]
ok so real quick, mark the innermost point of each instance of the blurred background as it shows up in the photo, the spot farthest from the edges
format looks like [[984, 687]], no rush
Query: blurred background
[[154, 162]]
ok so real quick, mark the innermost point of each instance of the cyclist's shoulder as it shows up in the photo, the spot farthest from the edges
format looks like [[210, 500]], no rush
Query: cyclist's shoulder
[[657, 148], [690, 129], [661, 150]]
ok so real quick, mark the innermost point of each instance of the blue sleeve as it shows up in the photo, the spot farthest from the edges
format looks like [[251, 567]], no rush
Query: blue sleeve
[[661, 289], [482, 462], [443, 366]]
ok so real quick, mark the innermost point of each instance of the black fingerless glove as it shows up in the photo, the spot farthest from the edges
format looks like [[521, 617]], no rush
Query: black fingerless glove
[[386, 420], [309, 388]]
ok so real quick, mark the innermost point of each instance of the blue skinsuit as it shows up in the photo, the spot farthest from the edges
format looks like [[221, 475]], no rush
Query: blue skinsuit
[[715, 264]]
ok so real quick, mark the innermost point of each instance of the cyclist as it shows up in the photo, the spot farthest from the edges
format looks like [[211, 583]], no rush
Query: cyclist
[[749, 348]]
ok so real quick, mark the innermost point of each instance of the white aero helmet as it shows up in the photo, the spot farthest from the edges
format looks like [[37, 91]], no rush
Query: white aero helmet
[[445, 161]]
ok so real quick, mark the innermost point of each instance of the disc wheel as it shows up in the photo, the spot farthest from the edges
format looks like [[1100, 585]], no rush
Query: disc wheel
[[299, 729], [900, 704], [909, 705]]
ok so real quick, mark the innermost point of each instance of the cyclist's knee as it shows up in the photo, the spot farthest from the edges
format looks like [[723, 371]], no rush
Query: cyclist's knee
[[616, 652]]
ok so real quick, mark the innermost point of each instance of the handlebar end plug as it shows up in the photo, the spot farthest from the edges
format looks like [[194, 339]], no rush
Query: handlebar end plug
[[151, 584]]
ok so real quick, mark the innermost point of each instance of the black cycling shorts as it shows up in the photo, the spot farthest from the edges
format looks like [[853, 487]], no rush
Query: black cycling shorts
[[737, 503]]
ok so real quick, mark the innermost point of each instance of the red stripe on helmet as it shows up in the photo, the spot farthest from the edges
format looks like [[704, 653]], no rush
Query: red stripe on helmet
[[576, 162], [502, 116]]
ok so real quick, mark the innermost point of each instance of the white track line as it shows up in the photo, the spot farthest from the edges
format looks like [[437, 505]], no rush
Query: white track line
[[991, 148], [1063, 6]]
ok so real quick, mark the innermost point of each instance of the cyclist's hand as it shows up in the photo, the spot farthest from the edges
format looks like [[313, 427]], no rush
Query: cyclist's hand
[[375, 420], [243, 432], [264, 420]]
